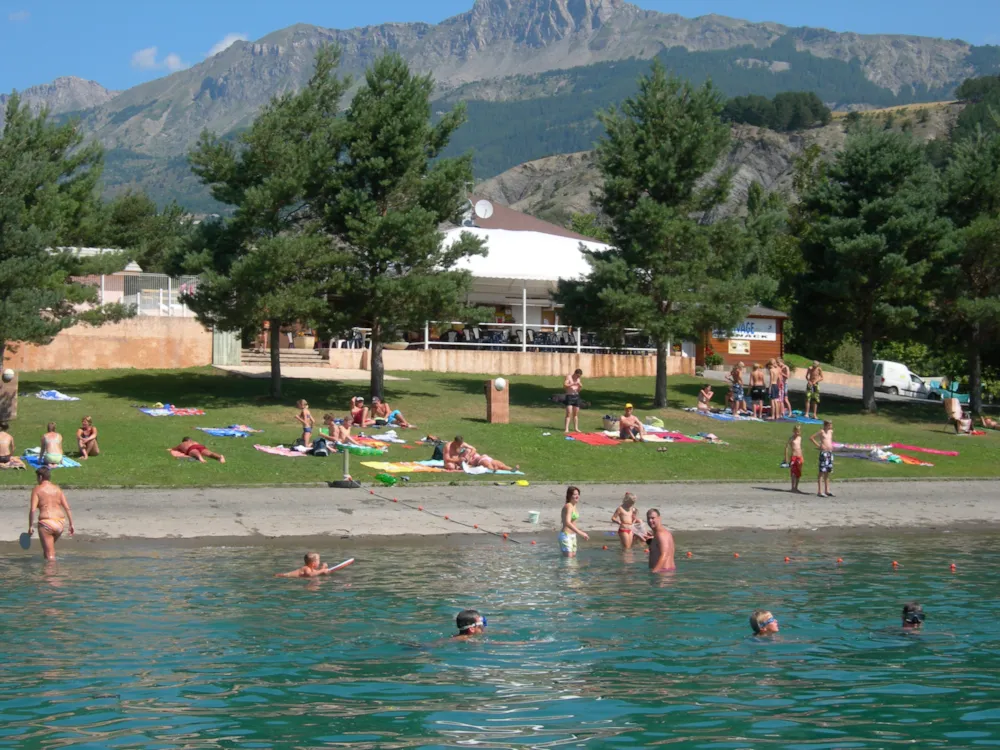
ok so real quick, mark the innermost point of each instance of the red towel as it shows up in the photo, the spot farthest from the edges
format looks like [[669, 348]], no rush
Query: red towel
[[902, 447], [595, 438]]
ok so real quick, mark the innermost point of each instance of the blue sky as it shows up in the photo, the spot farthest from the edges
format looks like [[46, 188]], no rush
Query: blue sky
[[121, 43]]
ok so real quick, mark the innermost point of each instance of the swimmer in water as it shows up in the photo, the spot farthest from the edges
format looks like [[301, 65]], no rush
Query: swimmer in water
[[53, 513], [913, 616], [762, 622], [567, 537], [311, 569], [469, 623], [661, 544], [625, 516]]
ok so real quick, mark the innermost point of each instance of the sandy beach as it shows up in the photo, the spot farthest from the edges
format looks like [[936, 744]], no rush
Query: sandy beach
[[267, 513]]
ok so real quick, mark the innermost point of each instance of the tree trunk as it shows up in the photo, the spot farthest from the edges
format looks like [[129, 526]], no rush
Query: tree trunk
[[275, 359], [975, 375], [378, 369], [660, 397], [868, 373]]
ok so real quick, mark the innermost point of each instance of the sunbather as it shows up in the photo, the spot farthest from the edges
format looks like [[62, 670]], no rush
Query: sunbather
[[86, 438], [382, 410], [704, 397], [339, 433], [188, 448], [51, 449], [359, 413], [991, 423], [630, 427], [458, 452]]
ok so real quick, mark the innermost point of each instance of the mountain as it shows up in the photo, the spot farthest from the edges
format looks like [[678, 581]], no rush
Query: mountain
[[555, 187], [532, 71], [63, 95]]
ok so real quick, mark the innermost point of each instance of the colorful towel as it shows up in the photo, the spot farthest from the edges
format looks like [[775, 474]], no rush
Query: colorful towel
[[722, 416], [801, 419], [406, 467], [389, 437], [916, 449], [225, 432], [36, 462], [168, 410], [595, 438], [55, 396], [279, 450], [371, 442], [483, 470]]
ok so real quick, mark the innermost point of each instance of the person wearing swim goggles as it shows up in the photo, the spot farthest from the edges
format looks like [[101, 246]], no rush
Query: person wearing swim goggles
[[913, 616], [762, 622], [469, 623]]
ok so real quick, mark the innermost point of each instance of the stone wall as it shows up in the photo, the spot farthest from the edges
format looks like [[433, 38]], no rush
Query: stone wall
[[143, 343]]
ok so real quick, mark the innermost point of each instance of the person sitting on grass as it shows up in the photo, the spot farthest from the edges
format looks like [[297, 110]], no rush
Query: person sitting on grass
[[382, 410], [630, 427], [339, 433], [311, 569], [51, 449], [188, 448], [704, 397], [458, 452], [359, 413], [86, 438], [7, 458]]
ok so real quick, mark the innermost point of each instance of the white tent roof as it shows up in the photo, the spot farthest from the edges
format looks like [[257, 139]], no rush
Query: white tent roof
[[525, 256]]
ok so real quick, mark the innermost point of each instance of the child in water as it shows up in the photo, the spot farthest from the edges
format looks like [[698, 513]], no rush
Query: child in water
[[625, 516], [305, 418], [793, 457], [762, 622], [469, 623], [311, 569]]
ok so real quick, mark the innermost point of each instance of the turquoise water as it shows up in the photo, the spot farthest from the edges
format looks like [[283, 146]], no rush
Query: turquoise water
[[198, 648]]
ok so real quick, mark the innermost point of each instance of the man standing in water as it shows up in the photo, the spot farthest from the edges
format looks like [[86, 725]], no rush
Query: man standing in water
[[53, 513], [661, 546], [572, 385]]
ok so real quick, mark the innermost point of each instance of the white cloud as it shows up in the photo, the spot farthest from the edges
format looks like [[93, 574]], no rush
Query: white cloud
[[146, 59], [226, 42], [19, 15]]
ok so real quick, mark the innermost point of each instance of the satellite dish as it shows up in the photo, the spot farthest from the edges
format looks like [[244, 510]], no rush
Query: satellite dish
[[484, 209]]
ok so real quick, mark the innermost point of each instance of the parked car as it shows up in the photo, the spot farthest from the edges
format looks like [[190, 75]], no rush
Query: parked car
[[945, 389], [895, 378]]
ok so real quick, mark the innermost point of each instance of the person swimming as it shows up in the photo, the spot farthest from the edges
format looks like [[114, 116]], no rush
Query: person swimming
[[913, 616], [311, 569], [762, 622], [469, 623]]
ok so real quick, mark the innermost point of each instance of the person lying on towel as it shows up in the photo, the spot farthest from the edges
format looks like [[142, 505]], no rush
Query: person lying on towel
[[382, 411], [188, 448], [458, 452]]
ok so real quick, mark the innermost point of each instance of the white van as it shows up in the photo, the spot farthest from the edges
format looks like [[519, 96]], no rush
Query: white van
[[896, 378]]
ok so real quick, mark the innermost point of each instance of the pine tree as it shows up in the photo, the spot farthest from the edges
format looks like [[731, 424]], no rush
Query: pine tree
[[48, 193], [869, 229], [669, 273]]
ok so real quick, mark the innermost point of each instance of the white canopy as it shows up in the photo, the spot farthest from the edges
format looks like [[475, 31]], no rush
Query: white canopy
[[525, 256]]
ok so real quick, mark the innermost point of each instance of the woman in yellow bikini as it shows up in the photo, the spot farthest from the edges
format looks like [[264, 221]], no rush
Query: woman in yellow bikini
[[625, 516], [567, 537], [53, 513]]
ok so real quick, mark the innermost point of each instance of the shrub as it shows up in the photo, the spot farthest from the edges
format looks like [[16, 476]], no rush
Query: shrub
[[847, 356]]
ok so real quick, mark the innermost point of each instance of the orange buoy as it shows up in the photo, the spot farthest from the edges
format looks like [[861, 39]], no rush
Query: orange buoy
[[371, 492], [446, 518], [689, 554], [395, 499], [736, 554], [840, 560], [532, 541], [420, 507], [505, 535], [475, 525], [895, 564], [604, 547], [953, 566], [788, 559]]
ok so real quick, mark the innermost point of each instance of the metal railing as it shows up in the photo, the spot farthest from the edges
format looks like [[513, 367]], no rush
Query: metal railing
[[546, 337], [151, 294]]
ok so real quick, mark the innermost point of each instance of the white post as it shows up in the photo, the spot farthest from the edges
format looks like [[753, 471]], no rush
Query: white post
[[102, 288], [579, 338], [161, 301], [524, 318], [170, 296], [427, 335]]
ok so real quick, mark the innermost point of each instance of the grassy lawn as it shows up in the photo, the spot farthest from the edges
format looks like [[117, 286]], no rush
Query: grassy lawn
[[135, 445]]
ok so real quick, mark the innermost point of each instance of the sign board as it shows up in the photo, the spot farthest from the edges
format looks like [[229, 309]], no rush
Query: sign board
[[739, 346], [751, 329]]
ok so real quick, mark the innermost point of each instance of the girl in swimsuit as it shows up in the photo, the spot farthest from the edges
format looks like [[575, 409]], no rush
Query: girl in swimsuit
[[86, 438], [625, 516], [567, 537]]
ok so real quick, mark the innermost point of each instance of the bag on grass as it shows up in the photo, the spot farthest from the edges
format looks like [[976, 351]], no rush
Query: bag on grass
[[320, 448]]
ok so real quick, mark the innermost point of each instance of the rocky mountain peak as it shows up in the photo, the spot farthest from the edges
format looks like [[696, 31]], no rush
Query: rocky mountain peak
[[65, 94], [536, 23]]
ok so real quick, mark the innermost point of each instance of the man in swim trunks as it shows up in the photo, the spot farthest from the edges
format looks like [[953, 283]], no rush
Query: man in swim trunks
[[188, 448], [630, 427], [758, 391], [786, 374], [311, 569], [814, 376], [661, 545], [825, 445], [53, 513], [774, 391], [736, 388], [572, 385], [7, 458], [51, 449], [382, 410]]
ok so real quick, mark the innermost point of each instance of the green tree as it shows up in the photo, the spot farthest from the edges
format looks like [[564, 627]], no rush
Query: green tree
[[668, 273], [773, 254], [382, 200], [589, 225], [48, 192], [269, 262], [868, 229], [969, 277]]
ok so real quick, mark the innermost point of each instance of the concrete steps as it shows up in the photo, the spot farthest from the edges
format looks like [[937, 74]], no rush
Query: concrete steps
[[289, 358]]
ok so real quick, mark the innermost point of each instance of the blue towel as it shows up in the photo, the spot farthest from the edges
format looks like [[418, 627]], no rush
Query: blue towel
[[37, 463], [224, 432], [801, 420], [55, 396]]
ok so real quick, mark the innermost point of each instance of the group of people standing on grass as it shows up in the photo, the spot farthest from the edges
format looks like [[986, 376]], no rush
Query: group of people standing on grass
[[768, 384]]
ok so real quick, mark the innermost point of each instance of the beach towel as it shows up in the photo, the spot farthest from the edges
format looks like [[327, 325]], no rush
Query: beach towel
[[31, 457], [224, 432], [723, 417], [407, 467], [595, 438], [916, 449], [55, 396], [389, 437], [483, 470], [168, 410], [279, 450], [801, 419], [657, 436]]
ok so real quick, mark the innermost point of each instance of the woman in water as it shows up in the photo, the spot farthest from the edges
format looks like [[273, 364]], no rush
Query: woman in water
[[625, 516], [567, 537]]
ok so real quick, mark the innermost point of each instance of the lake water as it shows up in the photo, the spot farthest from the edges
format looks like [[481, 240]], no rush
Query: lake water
[[197, 647]]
